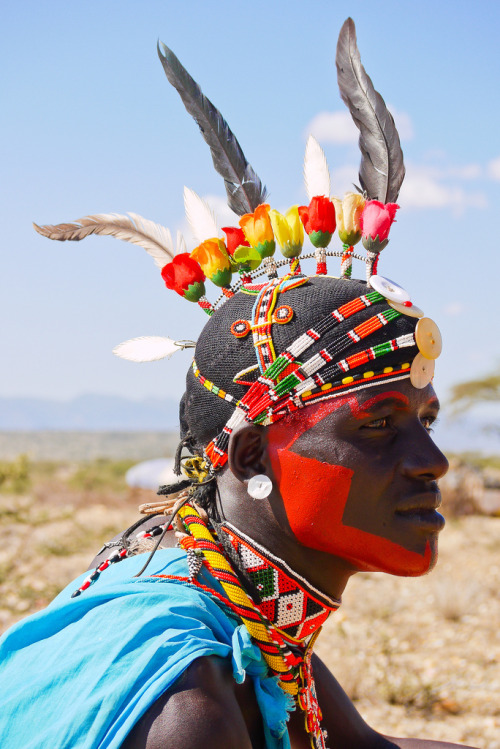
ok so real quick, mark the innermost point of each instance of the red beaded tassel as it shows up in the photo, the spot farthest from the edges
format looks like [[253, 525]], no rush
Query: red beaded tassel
[[206, 305], [372, 264], [320, 255]]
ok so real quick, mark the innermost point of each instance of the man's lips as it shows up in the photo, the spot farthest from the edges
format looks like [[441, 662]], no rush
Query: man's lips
[[425, 501], [421, 511]]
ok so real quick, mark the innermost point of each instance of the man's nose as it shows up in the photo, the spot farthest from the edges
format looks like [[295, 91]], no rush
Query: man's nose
[[424, 459]]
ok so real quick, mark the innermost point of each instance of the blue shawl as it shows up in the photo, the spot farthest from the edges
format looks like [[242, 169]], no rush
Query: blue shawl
[[82, 672]]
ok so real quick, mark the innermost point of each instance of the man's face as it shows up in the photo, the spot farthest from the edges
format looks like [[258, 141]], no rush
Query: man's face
[[357, 477]]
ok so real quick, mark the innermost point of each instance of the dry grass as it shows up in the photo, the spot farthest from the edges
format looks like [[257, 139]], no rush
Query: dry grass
[[420, 657]]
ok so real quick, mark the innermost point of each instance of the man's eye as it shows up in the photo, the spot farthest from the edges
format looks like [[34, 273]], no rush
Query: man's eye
[[378, 423], [429, 422]]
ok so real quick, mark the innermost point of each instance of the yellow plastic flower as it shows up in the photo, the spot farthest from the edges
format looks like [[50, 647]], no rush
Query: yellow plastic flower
[[258, 231], [288, 230], [348, 212], [214, 261]]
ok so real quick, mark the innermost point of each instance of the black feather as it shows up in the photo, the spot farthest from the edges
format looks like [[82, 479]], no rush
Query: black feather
[[382, 170], [244, 189]]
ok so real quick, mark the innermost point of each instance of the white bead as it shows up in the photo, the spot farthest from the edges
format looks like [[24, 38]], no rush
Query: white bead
[[260, 486], [391, 290]]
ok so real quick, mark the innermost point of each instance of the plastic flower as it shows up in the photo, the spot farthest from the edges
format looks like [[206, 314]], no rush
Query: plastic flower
[[349, 212], [214, 261], [184, 276], [258, 230], [288, 230], [319, 220], [376, 220], [235, 238]]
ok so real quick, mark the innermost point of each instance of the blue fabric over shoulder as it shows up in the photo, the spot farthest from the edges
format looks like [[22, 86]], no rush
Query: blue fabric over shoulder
[[83, 671]]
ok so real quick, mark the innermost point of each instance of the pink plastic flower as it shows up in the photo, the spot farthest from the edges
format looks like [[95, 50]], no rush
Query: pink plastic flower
[[376, 220]]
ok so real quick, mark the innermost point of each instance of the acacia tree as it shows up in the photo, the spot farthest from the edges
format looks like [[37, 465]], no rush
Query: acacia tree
[[468, 394]]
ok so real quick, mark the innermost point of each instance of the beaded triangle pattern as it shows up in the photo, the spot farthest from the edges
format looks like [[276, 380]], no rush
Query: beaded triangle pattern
[[292, 606]]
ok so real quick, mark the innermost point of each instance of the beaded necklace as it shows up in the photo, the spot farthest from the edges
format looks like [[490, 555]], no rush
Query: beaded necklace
[[295, 607], [288, 656]]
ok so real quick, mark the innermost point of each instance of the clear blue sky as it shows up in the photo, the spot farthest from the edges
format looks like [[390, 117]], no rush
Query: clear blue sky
[[90, 124]]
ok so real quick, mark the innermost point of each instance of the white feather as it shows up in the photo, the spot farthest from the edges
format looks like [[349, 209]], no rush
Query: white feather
[[147, 348], [316, 172], [153, 238], [161, 235], [180, 243], [200, 216]]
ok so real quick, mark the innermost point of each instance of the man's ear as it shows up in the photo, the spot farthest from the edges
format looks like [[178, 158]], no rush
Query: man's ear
[[247, 451]]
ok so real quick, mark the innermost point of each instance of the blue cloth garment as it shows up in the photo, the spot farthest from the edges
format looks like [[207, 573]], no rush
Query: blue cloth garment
[[81, 673]]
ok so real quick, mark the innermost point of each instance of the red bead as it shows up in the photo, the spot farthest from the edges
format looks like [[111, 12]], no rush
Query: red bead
[[407, 304]]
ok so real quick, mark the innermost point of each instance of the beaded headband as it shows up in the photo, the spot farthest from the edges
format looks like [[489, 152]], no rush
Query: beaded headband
[[279, 383]]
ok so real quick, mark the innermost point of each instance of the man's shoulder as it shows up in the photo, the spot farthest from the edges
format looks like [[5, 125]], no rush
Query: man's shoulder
[[202, 710]]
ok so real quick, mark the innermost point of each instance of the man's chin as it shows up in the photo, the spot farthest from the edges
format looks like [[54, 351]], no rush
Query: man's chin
[[399, 561]]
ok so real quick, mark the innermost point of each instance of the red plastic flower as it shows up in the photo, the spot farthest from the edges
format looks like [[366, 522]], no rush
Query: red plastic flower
[[184, 276], [234, 238], [375, 221], [319, 220]]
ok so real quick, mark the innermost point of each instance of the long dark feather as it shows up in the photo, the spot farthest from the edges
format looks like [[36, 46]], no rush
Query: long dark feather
[[244, 188], [382, 170]]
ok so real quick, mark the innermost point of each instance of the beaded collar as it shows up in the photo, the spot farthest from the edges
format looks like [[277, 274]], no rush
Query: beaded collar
[[288, 658], [294, 606]]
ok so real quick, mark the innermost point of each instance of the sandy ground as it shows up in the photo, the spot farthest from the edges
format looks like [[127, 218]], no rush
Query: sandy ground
[[420, 657]]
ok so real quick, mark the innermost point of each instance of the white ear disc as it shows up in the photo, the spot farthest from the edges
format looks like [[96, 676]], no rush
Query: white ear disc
[[260, 486]]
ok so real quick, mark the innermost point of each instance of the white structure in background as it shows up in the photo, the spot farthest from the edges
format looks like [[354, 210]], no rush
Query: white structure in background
[[150, 474]]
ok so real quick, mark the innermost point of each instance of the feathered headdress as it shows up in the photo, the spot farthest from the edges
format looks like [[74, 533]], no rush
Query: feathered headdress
[[235, 256]]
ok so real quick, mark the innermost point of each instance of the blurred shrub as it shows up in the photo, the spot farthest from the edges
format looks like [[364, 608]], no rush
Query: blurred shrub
[[101, 474], [471, 486], [15, 475]]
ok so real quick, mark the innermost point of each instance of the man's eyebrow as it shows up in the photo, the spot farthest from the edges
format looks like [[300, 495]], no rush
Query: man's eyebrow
[[390, 398], [434, 403]]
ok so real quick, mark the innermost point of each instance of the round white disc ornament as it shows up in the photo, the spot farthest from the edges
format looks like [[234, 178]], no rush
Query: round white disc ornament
[[428, 338], [411, 311], [421, 372], [260, 486], [392, 291]]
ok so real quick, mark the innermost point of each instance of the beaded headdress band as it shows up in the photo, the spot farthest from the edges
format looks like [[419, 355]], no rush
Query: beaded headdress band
[[331, 356]]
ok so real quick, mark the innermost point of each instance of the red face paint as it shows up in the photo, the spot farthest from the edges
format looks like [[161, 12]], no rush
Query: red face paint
[[316, 495]]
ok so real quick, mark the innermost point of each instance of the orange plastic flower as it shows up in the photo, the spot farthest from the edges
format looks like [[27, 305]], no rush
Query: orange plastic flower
[[214, 261], [258, 230]]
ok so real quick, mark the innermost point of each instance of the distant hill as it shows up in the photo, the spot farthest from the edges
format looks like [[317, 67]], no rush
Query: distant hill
[[89, 412], [76, 445]]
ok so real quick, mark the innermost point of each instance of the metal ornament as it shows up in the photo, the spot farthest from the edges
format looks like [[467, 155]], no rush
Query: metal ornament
[[260, 486]]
